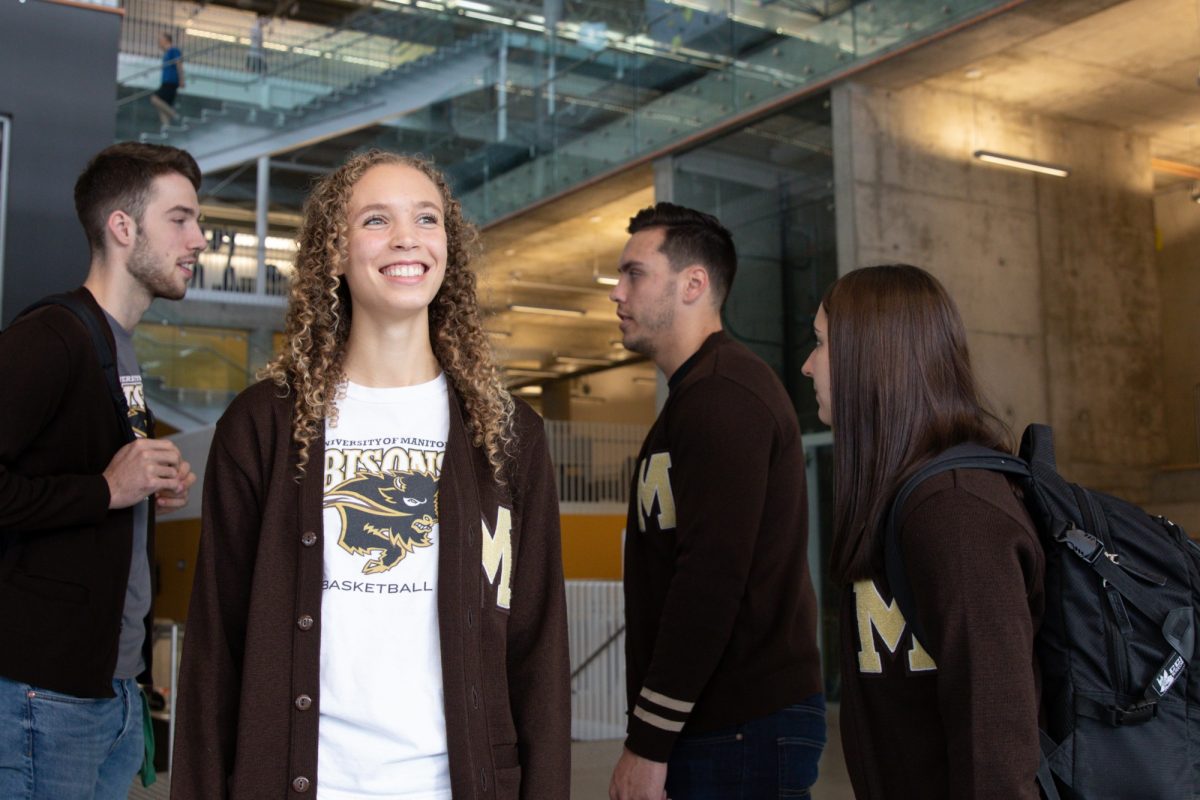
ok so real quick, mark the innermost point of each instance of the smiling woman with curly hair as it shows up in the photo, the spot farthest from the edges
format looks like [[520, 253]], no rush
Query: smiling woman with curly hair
[[378, 597]]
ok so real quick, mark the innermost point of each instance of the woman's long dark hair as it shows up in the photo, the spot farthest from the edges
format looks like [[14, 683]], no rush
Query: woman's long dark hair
[[901, 391]]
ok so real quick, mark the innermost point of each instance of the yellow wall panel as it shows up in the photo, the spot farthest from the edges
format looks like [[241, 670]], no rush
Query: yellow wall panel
[[592, 546], [175, 546]]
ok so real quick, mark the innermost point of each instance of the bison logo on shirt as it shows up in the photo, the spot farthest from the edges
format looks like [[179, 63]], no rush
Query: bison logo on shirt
[[384, 515]]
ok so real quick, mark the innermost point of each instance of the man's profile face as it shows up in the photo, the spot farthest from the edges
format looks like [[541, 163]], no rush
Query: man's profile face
[[646, 294], [169, 238]]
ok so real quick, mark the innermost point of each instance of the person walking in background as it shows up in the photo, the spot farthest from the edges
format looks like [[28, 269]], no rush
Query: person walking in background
[[255, 60], [955, 716], [81, 478], [723, 672], [378, 608], [163, 99]]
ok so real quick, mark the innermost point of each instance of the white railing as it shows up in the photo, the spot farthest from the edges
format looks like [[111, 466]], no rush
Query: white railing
[[594, 461], [596, 629]]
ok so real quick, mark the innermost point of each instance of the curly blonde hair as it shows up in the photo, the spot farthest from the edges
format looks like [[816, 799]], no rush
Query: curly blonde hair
[[320, 313]]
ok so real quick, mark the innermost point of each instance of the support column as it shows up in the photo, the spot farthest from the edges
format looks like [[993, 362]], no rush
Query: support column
[[261, 207], [502, 89]]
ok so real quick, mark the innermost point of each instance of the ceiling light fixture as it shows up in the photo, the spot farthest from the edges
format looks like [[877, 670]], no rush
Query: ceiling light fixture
[[1022, 163], [499, 334], [531, 373], [583, 361], [607, 280], [553, 311]]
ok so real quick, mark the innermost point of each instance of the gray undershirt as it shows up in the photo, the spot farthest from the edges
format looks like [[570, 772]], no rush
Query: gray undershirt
[[130, 663]]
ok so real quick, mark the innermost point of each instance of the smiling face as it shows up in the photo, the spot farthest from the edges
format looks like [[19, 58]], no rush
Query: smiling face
[[168, 238], [817, 366], [646, 293], [396, 243]]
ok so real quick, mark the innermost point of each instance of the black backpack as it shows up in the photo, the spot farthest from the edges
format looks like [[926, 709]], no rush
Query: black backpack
[[1121, 707]]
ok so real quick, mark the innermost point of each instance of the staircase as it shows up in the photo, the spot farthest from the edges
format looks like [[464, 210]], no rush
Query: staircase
[[224, 137]]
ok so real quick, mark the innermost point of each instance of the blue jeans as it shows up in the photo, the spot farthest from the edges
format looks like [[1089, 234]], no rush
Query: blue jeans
[[55, 746], [770, 757]]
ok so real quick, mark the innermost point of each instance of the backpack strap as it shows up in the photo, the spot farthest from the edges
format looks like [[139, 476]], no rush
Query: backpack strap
[[962, 456], [104, 351]]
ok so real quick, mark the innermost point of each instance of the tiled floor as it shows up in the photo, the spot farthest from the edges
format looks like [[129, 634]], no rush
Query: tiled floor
[[592, 764]]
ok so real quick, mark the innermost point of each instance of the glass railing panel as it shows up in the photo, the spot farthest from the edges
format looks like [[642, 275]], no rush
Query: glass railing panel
[[691, 65], [299, 63], [193, 360], [230, 264]]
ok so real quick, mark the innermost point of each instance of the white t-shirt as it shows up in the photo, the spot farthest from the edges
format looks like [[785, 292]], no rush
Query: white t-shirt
[[382, 723]]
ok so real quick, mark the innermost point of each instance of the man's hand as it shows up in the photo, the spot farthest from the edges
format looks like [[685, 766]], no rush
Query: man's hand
[[173, 499], [637, 778], [143, 467]]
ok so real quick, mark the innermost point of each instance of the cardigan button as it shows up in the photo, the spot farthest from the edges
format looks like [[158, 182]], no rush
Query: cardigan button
[[474, 697], [305, 622], [301, 784], [304, 702], [308, 539], [470, 618]]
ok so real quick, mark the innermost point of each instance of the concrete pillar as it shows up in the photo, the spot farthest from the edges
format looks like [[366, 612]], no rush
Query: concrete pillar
[[1055, 278], [1177, 219]]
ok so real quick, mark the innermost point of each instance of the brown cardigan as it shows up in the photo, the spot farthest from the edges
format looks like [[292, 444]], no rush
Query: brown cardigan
[[249, 701], [961, 719], [719, 604]]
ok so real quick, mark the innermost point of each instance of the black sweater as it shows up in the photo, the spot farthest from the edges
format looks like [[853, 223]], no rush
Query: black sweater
[[719, 603], [64, 556]]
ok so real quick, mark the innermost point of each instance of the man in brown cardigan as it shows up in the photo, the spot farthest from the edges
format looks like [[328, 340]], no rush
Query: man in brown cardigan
[[721, 651]]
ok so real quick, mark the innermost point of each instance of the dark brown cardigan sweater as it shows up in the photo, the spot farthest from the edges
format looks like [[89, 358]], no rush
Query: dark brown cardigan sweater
[[961, 719], [253, 640], [719, 601]]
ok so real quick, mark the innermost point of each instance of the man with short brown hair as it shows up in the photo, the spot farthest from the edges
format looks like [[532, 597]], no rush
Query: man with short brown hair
[[723, 673], [80, 478]]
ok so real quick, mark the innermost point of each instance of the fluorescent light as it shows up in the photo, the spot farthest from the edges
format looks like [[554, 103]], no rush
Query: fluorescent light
[[583, 361], [487, 17], [532, 390], [203, 34], [1022, 163], [499, 334], [472, 6], [607, 280], [530, 373], [553, 311]]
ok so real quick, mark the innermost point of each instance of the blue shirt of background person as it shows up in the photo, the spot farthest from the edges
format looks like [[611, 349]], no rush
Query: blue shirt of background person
[[170, 70]]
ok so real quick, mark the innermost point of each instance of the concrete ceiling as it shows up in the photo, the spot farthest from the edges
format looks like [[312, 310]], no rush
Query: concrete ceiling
[[1132, 65], [549, 257]]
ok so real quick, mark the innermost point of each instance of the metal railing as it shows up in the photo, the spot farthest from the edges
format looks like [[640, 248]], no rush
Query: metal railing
[[596, 637], [224, 63], [594, 461]]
